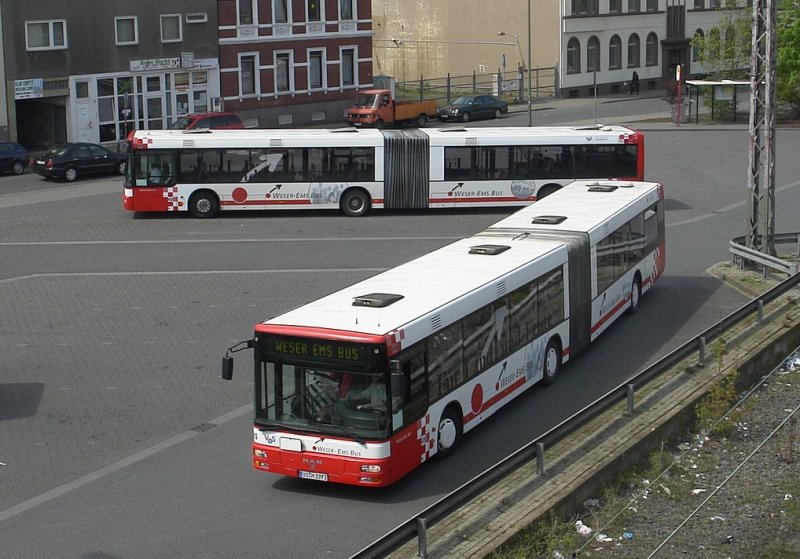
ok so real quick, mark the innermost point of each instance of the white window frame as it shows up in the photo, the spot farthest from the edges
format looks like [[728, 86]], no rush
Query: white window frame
[[289, 69], [353, 6], [321, 9], [256, 74], [288, 12], [50, 25], [180, 28], [634, 51], [135, 20], [196, 17], [253, 12], [354, 50], [323, 74]]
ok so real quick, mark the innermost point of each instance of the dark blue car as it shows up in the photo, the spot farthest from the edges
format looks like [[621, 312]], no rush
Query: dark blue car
[[13, 158], [70, 161], [471, 107]]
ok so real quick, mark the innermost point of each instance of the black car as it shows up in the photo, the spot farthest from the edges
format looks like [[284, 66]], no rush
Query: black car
[[468, 108], [13, 158], [70, 161]]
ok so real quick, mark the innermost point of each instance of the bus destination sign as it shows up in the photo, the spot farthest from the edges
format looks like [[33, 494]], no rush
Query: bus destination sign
[[317, 351]]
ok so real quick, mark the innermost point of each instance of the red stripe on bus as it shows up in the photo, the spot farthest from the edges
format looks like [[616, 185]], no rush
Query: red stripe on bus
[[606, 317], [265, 203], [496, 398], [471, 199]]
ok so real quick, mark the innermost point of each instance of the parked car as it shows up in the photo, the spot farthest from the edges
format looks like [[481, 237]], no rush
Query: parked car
[[13, 158], [214, 121], [469, 107], [72, 160]]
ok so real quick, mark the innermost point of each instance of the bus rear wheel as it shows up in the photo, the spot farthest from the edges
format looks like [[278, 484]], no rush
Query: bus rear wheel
[[203, 204], [450, 429], [355, 203], [552, 362], [422, 120], [636, 294]]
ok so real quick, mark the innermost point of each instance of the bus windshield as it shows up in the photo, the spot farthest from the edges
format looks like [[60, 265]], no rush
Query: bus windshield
[[338, 402]]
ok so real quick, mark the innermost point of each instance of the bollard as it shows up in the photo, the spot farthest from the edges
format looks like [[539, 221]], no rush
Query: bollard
[[540, 459], [760, 310], [631, 389], [702, 343], [422, 536]]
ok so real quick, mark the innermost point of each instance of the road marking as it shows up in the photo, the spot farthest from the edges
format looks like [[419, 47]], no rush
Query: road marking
[[207, 241], [193, 273], [116, 466], [727, 208]]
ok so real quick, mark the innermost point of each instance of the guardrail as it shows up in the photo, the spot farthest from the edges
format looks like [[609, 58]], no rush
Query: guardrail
[[417, 525], [742, 253]]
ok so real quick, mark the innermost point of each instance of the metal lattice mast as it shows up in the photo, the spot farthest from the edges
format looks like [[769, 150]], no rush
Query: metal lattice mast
[[760, 233]]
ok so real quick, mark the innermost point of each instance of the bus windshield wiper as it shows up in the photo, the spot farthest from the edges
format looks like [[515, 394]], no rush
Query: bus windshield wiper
[[349, 432]]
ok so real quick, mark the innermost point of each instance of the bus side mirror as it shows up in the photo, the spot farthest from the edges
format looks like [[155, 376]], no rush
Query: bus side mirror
[[227, 368], [397, 378]]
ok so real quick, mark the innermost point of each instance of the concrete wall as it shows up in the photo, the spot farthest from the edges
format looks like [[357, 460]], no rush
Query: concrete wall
[[416, 38]]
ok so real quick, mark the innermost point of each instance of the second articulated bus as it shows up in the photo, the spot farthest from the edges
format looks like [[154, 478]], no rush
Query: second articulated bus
[[364, 385], [353, 170]]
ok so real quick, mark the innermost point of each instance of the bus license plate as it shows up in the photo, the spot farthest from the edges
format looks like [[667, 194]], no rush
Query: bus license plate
[[313, 475]]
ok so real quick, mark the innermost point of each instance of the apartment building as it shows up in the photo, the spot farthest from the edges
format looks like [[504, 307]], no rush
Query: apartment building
[[294, 62], [92, 70]]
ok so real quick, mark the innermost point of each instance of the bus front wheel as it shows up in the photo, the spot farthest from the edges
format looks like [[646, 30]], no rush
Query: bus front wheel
[[355, 203], [552, 362], [450, 429], [203, 204]]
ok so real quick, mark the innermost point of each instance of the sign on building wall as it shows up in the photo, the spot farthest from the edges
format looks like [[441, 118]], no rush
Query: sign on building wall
[[28, 89], [155, 64]]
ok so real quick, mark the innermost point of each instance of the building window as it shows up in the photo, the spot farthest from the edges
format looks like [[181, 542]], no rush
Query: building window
[[634, 6], [585, 7], [651, 50], [593, 54], [345, 9], [126, 29], [652, 5], [247, 75], [281, 11], [699, 4], [312, 10], [614, 6], [46, 35], [199, 17], [348, 66], [283, 76], [171, 31], [316, 63], [245, 12], [573, 56], [615, 53], [696, 44], [634, 47]]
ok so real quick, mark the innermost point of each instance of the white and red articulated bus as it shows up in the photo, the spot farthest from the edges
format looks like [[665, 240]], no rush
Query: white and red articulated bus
[[205, 172], [365, 384]]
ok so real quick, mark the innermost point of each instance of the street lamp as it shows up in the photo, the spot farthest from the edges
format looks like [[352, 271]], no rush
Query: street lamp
[[525, 67]]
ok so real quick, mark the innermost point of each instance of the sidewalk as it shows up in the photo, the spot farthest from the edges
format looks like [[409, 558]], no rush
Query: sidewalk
[[656, 120]]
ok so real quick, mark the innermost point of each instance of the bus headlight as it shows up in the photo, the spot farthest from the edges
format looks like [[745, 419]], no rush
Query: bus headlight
[[259, 453], [371, 468]]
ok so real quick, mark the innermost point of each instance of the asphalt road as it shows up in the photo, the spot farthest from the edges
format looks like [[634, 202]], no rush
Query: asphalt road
[[118, 439]]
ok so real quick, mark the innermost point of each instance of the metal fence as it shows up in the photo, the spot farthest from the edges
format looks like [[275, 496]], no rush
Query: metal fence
[[534, 451], [511, 86]]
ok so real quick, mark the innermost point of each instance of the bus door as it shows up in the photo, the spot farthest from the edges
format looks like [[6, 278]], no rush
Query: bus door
[[406, 169]]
